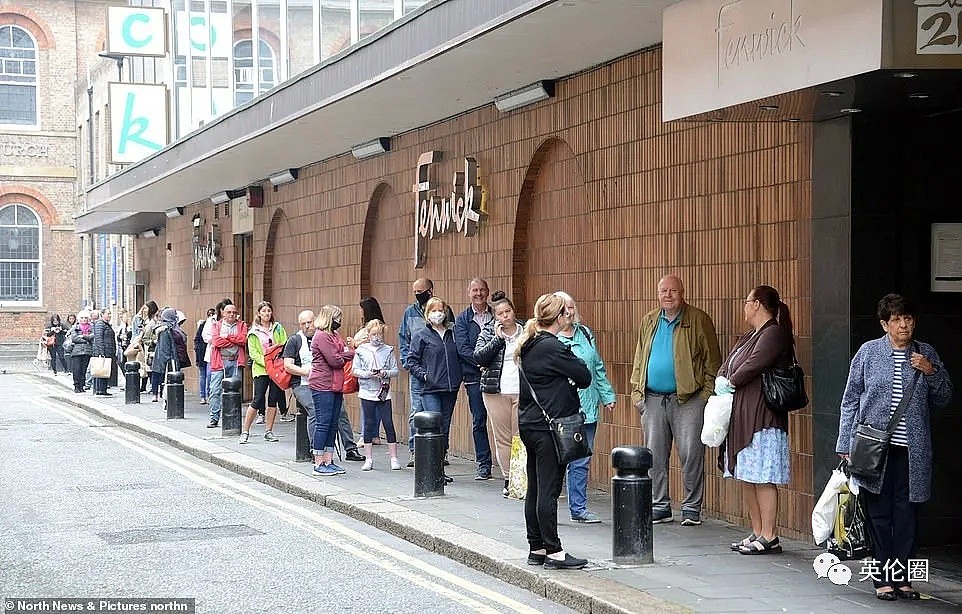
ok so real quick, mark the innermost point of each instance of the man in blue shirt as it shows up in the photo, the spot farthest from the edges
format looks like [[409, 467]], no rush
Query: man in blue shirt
[[467, 327], [673, 375]]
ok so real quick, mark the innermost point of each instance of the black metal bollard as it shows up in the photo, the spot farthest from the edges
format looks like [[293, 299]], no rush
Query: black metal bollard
[[428, 455], [302, 439], [631, 540], [230, 410], [131, 383], [174, 395]]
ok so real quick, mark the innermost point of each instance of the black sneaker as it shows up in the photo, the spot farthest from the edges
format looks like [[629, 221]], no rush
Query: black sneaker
[[353, 455], [410, 461], [484, 473], [212, 425], [661, 517], [569, 562], [690, 519]]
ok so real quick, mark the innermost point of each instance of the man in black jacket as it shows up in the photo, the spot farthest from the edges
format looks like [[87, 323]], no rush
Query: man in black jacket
[[105, 345]]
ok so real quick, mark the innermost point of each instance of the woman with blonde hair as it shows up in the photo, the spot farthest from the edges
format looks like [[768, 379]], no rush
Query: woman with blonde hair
[[326, 380], [264, 334], [550, 377], [374, 366], [433, 360]]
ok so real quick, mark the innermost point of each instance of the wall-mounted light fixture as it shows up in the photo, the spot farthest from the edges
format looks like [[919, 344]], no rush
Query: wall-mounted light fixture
[[148, 234], [372, 148], [288, 176], [530, 94], [174, 212], [219, 198]]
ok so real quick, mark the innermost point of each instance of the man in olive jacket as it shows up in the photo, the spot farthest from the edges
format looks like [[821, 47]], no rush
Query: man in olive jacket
[[673, 375]]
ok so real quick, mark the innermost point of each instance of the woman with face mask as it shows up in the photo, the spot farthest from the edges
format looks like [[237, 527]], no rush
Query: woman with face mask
[[374, 366], [433, 360], [326, 380]]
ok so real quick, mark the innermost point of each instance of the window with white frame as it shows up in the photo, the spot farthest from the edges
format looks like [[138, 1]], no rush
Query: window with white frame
[[18, 76], [19, 254], [245, 83]]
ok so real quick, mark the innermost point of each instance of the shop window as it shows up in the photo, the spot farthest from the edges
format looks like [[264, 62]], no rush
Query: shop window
[[18, 77], [19, 254], [246, 83]]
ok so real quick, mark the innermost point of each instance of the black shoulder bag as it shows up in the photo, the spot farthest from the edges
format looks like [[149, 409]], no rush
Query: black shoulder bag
[[784, 388], [870, 446], [568, 433]]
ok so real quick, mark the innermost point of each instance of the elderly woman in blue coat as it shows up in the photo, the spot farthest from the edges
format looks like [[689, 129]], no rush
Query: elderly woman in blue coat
[[881, 370], [578, 337]]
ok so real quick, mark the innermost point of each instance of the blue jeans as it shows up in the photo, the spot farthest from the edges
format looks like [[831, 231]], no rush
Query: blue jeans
[[215, 387], [203, 376], [578, 476], [327, 412], [377, 413], [416, 406], [441, 403], [479, 426]]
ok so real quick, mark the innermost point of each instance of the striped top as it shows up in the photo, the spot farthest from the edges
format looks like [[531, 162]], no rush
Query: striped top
[[900, 436]]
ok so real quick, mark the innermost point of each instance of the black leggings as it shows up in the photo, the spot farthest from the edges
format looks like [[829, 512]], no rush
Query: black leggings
[[544, 488], [80, 371], [265, 387]]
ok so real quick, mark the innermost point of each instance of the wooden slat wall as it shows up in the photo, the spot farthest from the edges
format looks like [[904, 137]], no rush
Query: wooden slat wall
[[588, 192]]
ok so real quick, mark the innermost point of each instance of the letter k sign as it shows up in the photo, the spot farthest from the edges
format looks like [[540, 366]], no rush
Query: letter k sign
[[138, 121]]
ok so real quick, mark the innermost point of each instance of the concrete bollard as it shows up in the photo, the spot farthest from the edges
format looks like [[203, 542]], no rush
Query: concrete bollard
[[174, 395], [230, 412], [631, 540], [428, 455], [131, 383], [302, 438]]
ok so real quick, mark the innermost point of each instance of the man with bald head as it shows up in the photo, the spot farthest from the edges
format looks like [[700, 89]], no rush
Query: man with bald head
[[412, 320], [297, 361], [673, 375]]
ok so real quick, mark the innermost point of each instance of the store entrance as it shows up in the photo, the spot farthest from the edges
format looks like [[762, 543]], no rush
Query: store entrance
[[904, 180]]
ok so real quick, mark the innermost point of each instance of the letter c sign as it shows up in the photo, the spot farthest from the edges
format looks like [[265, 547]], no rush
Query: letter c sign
[[136, 31]]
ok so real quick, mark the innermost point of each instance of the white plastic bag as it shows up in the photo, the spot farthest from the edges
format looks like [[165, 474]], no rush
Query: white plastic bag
[[823, 516], [718, 412]]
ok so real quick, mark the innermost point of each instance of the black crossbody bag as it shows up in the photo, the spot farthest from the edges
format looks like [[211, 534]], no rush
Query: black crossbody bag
[[870, 446], [568, 433]]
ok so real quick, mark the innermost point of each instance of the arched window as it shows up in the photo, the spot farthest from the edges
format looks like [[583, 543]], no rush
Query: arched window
[[245, 85], [19, 254], [18, 77]]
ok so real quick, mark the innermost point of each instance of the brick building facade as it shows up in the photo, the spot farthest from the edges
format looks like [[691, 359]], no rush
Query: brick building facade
[[47, 45]]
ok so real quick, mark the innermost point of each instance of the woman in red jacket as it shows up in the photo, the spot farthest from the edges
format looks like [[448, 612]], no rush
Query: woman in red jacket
[[327, 385]]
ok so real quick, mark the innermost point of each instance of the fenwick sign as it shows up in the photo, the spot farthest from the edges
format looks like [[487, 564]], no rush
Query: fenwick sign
[[461, 212]]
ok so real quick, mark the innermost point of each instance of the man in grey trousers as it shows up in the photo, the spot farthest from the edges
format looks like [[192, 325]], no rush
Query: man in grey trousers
[[676, 360]]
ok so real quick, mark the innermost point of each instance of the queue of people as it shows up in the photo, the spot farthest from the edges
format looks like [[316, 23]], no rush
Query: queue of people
[[521, 374]]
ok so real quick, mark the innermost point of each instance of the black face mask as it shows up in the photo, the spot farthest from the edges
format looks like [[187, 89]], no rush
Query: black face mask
[[335, 325], [422, 297]]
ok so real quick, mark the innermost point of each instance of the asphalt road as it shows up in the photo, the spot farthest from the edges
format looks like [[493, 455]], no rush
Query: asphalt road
[[89, 510]]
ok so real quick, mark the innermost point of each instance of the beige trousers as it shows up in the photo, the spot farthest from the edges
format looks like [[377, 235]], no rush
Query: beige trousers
[[503, 413]]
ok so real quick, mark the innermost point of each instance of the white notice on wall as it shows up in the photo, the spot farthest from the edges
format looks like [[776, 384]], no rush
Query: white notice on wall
[[946, 258]]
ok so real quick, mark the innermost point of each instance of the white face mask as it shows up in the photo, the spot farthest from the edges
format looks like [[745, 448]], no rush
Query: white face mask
[[376, 340], [436, 317]]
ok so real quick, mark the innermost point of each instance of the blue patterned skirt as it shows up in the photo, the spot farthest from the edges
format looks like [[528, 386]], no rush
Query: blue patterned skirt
[[764, 461]]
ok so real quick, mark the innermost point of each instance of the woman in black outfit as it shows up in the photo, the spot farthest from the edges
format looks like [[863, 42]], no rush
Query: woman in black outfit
[[56, 329], [548, 367]]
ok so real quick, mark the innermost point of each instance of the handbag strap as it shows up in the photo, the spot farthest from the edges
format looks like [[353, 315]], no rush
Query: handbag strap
[[906, 396], [534, 395]]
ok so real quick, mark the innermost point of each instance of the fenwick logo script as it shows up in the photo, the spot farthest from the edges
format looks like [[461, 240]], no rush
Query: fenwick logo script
[[461, 212]]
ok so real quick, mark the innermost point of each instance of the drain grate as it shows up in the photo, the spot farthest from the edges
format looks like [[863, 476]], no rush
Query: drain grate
[[177, 534]]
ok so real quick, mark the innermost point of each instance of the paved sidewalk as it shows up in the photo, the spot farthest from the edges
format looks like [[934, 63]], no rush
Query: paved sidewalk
[[472, 524]]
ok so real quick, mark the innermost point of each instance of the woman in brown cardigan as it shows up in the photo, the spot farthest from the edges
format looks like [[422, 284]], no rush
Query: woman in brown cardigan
[[756, 449]]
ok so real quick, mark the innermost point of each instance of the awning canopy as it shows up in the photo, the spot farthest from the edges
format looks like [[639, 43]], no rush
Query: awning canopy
[[452, 57]]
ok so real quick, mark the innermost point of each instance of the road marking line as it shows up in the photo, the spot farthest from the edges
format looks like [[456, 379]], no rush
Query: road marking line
[[243, 493]]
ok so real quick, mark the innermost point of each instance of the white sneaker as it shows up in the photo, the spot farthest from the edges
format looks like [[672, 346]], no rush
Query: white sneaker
[[368, 464], [395, 464], [260, 419]]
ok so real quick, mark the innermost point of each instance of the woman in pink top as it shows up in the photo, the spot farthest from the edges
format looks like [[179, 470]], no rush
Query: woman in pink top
[[327, 384]]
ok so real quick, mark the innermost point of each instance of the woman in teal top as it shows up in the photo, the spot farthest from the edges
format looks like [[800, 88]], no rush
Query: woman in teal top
[[578, 337]]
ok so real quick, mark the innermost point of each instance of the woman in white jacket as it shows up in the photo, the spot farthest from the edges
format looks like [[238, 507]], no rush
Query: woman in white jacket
[[374, 366]]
